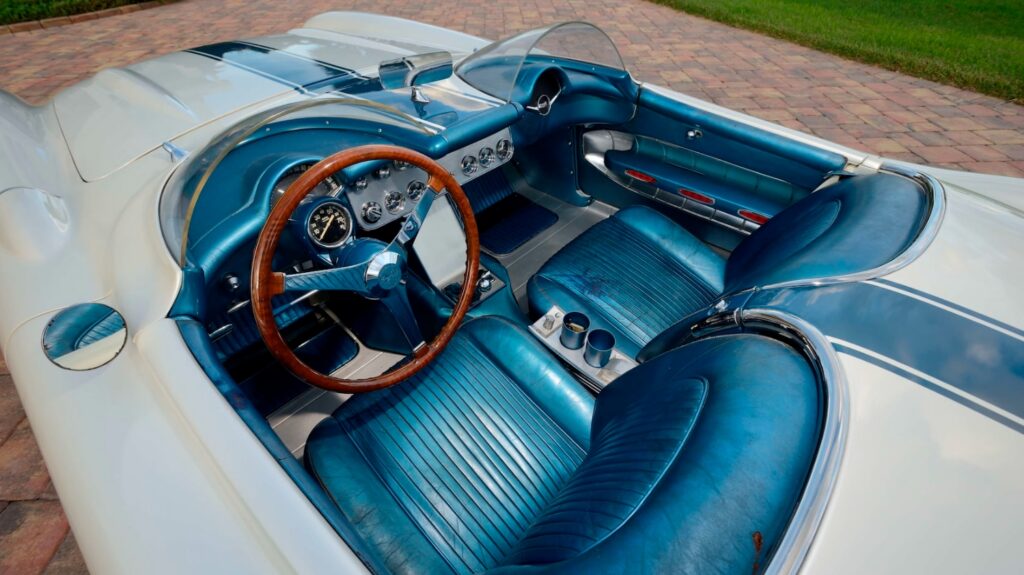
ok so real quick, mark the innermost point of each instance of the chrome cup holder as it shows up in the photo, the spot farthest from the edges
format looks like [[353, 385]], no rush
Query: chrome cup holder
[[574, 329], [598, 349]]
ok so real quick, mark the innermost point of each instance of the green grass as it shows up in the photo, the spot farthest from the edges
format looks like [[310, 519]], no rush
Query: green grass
[[13, 11], [974, 44]]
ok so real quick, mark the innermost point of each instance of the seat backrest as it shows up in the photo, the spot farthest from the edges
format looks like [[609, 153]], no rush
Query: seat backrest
[[857, 224], [691, 455]]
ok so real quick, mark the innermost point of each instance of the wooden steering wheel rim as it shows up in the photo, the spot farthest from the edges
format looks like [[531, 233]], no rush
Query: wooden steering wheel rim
[[266, 283]]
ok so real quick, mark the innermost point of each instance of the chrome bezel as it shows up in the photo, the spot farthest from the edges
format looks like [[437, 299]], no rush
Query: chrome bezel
[[369, 206], [360, 183], [509, 148], [469, 165], [415, 190], [486, 156], [348, 230], [397, 209]]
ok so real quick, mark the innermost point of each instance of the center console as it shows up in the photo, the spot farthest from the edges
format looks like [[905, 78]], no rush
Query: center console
[[591, 353]]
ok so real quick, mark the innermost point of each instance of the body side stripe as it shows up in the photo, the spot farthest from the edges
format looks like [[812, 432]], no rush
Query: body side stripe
[[926, 381], [975, 357], [961, 310]]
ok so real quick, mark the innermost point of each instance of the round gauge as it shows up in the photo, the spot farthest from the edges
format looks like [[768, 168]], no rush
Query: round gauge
[[372, 212], [328, 187], [394, 202], [415, 190], [503, 149], [329, 224], [469, 165], [486, 156]]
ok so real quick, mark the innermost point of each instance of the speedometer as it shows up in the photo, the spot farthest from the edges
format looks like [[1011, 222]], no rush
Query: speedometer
[[328, 187]]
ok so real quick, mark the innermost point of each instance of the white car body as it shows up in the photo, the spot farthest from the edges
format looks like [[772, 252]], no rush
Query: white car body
[[157, 473]]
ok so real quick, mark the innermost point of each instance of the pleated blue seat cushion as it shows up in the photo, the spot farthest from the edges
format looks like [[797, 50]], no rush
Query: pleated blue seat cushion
[[696, 464], [495, 459], [445, 471], [634, 274]]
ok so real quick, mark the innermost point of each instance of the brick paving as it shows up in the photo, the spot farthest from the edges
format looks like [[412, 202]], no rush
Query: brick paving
[[34, 534], [858, 105]]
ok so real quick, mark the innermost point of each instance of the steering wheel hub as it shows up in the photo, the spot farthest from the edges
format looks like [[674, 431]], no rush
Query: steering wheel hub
[[384, 271]]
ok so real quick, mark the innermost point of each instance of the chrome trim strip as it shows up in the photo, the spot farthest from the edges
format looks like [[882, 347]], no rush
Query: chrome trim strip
[[921, 243], [796, 542]]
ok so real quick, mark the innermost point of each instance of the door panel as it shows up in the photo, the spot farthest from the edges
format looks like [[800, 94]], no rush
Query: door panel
[[707, 166]]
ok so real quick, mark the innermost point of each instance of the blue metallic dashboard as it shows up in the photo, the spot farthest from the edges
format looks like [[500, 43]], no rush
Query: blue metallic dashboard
[[469, 133], [460, 129]]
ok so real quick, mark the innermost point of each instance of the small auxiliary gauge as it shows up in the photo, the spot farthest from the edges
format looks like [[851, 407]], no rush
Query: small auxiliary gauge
[[329, 225], [372, 212], [415, 190], [394, 202], [486, 156], [503, 149]]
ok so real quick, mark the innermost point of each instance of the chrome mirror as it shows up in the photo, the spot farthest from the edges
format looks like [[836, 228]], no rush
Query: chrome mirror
[[415, 70], [84, 336]]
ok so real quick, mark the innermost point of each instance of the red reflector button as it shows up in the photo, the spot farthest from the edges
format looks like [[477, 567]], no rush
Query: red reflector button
[[692, 195], [640, 176], [754, 216]]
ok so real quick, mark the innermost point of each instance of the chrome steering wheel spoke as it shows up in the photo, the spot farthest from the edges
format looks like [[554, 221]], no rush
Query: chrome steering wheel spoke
[[397, 301], [414, 221]]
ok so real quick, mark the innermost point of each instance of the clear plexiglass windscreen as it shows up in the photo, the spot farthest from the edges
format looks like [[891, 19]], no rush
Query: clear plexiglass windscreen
[[192, 209], [495, 68]]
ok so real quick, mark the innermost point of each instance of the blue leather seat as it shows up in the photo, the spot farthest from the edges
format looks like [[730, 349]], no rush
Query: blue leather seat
[[494, 459], [635, 274], [638, 272]]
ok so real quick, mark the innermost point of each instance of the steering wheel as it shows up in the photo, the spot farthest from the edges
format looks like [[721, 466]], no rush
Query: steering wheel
[[379, 275]]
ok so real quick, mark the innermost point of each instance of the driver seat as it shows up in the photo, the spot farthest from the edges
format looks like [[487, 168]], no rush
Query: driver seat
[[493, 458]]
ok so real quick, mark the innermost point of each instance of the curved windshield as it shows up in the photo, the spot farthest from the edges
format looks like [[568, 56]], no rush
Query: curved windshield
[[196, 203], [494, 69]]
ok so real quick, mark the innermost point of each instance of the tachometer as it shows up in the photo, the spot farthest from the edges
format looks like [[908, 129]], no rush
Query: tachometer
[[329, 224], [328, 187]]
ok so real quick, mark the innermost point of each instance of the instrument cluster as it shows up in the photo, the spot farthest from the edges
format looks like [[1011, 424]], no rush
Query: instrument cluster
[[386, 194], [391, 191]]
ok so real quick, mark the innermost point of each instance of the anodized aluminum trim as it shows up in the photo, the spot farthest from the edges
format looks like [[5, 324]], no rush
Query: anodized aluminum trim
[[920, 244]]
